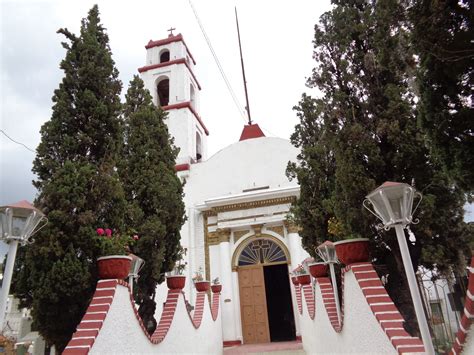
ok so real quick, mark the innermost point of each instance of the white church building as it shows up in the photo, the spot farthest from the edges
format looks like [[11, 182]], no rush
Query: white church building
[[237, 203]]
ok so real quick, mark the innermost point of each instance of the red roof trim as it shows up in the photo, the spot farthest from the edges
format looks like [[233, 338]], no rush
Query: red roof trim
[[171, 62], [187, 105], [161, 65], [251, 131], [162, 42], [182, 167]]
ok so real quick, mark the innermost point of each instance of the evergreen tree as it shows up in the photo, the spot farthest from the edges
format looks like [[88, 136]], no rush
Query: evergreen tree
[[78, 186], [361, 132], [153, 191], [442, 36]]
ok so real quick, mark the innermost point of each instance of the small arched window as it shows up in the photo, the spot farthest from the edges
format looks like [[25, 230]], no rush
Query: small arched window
[[163, 90], [198, 147], [164, 56], [192, 96]]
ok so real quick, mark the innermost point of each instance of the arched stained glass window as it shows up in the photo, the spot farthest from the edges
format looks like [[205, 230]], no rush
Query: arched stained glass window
[[261, 251]]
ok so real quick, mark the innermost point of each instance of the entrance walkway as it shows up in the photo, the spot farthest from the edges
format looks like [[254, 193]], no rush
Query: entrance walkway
[[280, 348]]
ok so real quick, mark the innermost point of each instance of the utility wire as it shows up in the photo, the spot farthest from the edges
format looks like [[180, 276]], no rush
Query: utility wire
[[14, 141], [229, 87], [266, 130]]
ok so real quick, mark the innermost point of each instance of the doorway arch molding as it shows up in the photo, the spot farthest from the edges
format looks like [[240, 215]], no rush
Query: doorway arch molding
[[240, 248]]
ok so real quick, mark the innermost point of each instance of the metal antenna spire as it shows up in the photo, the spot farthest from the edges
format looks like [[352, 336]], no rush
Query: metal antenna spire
[[247, 108]]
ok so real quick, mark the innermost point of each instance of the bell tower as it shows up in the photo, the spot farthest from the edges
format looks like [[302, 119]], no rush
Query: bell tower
[[169, 76]]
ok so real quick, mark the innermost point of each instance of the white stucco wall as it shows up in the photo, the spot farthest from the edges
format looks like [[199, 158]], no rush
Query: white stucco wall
[[122, 334], [469, 343], [242, 165], [361, 333]]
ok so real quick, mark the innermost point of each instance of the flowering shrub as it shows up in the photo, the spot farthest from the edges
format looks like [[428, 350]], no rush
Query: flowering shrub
[[180, 263], [111, 243]]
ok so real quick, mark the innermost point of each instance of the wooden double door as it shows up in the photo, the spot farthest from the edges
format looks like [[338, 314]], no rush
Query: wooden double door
[[253, 305]]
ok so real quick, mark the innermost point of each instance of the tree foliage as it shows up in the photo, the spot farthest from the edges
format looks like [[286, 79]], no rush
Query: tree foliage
[[362, 131], [78, 186], [442, 36], [153, 191]]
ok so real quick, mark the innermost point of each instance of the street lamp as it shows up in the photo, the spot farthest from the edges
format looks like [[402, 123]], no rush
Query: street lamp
[[19, 221], [392, 203], [327, 252], [135, 267]]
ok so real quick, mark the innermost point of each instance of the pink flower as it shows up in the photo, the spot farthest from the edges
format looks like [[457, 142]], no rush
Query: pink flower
[[108, 232], [136, 237], [100, 231]]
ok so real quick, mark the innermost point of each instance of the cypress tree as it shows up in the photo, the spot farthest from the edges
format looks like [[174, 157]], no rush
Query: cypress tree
[[153, 191], [442, 36], [362, 131], [78, 186]]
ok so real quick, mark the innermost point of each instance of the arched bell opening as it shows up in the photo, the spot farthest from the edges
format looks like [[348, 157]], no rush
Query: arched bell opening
[[264, 288], [163, 91], [164, 56]]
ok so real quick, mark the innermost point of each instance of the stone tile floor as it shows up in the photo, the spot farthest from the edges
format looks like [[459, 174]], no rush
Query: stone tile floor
[[280, 348]]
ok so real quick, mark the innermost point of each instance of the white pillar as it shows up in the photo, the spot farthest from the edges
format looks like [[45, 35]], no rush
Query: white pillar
[[192, 268], [228, 330], [236, 306], [295, 247], [7, 279]]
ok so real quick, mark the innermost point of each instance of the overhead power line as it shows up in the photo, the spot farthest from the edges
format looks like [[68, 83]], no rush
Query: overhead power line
[[229, 87], [14, 141]]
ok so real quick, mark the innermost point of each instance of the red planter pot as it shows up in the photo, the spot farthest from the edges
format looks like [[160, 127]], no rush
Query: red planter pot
[[202, 286], [294, 279], [304, 279], [352, 251], [114, 266], [176, 282], [216, 288], [318, 269]]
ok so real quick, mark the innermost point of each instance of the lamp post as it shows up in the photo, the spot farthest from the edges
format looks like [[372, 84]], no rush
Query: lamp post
[[19, 221], [392, 203], [327, 252], [135, 267]]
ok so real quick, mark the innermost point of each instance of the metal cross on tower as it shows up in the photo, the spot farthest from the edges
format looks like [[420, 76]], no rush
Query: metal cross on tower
[[171, 31]]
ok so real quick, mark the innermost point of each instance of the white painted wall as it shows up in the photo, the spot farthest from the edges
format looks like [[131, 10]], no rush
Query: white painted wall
[[361, 333], [469, 343], [122, 334], [242, 165]]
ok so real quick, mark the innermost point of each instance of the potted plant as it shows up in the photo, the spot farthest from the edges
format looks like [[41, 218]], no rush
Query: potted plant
[[216, 287], [175, 280], [318, 269], [352, 250], [115, 264], [294, 279], [302, 275], [199, 282]]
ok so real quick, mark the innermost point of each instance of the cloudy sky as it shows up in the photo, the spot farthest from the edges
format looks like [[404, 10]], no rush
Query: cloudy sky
[[277, 48]]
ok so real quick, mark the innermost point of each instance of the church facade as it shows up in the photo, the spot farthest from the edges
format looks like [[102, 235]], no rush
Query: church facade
[[237, 202]]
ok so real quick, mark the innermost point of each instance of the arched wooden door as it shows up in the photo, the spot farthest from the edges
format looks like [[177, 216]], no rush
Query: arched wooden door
[[253, 298]]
